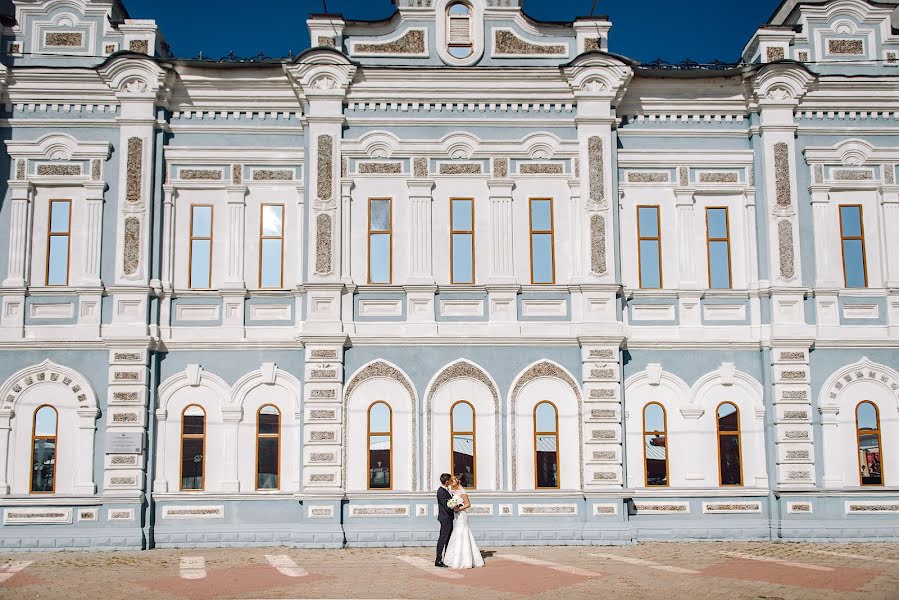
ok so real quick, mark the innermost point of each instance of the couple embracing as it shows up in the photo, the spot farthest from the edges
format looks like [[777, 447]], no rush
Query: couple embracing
[[456, 547]]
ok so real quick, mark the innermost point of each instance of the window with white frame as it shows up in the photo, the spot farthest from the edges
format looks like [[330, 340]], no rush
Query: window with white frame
[[200, 261], [59, 231]]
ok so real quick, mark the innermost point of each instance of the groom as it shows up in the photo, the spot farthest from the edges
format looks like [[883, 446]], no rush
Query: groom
[[445, 515]]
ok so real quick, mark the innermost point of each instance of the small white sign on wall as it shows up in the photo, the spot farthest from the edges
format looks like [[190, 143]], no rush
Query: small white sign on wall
[[126, 442]]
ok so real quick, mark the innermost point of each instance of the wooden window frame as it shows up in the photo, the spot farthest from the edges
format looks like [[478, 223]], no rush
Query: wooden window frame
[[449, 28], [537, 434], [739, 435], [34, 438], [708, 246], [190, 256], [368, 447], [276, 436], [877, 432], [262, 238], [861, 238], [550, 231], [474, 443], [51, 235], [663, 432], [453, 233], [641, 238], [192, 436], [389, 232]]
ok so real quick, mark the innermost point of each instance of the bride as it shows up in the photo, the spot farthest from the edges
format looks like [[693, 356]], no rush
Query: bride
[[462, 552]]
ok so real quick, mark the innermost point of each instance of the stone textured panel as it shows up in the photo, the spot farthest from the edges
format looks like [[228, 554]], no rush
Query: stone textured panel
[[506, 42], [598, 244], [412, 42], [597, 169], [782, 174], [65, 39], [785, 248], [134, 169], [325, 186], [323, 242], [131, 258]]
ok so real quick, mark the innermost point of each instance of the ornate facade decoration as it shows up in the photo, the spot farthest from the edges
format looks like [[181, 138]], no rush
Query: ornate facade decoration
[[135, 166], [412, 42], [506, 42]]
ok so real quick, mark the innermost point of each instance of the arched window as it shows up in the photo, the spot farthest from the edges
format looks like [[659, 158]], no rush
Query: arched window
[[268, 448], [458, 26], [193, 447], [462, 431], [729, 453], [870, 463], [380, 442], [43, 451], [655, 444], [546, 445]]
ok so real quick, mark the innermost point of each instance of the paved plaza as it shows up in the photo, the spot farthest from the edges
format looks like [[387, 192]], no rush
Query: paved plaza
[[672, 570]]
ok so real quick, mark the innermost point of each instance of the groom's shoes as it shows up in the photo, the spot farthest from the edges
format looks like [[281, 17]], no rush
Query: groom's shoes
[[440, 564]]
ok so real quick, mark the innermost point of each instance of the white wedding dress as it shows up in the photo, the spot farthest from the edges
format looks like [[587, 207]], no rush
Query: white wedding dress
[[462, 552]]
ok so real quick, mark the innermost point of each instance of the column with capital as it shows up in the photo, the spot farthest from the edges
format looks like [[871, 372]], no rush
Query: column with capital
[[598, 84], [420, 287], [18, 273]]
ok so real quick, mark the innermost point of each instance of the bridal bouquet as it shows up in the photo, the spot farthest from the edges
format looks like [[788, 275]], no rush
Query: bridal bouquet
[[453, 503]]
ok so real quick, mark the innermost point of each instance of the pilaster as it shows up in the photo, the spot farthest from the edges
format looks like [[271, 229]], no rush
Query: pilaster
[[794, 440], [323, 421], [126, 422], [602, 416]]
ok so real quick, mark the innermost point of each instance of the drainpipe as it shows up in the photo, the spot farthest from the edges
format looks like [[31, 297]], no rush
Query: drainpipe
[[149, 506]]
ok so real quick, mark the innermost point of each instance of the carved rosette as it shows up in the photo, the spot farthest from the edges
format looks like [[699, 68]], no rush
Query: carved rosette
[[537, 371], [464, 370]]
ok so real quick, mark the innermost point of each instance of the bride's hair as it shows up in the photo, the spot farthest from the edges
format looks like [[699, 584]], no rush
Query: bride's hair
[[462, 479]]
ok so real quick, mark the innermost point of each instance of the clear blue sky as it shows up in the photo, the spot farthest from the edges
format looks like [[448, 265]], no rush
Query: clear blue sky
[[674, 30]]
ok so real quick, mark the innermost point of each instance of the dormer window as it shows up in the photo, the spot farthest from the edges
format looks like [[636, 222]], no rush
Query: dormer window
[[459, 40]]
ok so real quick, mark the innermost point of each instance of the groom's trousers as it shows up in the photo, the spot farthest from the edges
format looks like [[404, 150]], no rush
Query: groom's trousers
[[446, 530]]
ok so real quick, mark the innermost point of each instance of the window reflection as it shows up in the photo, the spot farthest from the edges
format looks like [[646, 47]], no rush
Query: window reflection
[[43, 451], [655, 445], [649, 243], [729, 452], [852, 234], [268, 442], [462, 427], [869, 449], [380, 438], [193, 448], [546, 444]]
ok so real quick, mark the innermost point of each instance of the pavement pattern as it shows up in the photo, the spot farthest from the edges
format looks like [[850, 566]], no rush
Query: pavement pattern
[[697, 571]]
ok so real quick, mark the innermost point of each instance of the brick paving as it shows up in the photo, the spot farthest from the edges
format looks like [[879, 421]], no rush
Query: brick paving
[[698, 571]]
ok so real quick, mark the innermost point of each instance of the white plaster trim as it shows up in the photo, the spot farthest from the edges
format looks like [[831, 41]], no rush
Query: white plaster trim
[[386, 40], [193, 512], [37, 516]]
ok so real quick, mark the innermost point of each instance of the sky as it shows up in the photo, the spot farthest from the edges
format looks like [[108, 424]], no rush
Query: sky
[[673, 30]]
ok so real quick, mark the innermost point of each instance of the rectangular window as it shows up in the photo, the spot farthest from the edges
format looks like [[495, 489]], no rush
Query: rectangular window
[[852, 237], [58, 236], [380, 246], [462, 240], [200, 246], [649, 236], [271, 246], [543, 264], [718, 244]]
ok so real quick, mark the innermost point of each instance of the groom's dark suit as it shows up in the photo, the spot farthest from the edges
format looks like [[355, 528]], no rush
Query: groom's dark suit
[[445, 515]]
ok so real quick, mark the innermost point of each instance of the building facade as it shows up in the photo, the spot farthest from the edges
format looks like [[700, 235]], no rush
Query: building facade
[[271, 301]]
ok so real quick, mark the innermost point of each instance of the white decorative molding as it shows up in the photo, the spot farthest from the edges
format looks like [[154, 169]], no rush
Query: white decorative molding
[[378, 510], [547, 510], [37, 516], [661, 508], [189, 511]]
